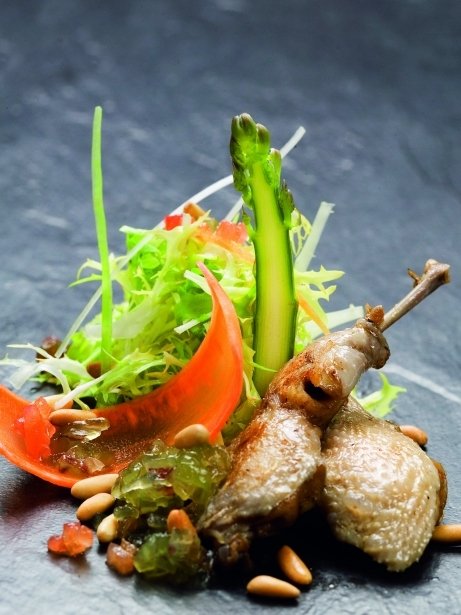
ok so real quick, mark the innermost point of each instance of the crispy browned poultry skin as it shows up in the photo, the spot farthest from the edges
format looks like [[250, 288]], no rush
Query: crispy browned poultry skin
[[382, 492], [277, 470]]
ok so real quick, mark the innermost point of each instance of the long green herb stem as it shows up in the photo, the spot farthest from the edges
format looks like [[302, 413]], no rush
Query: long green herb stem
[[101, 232]]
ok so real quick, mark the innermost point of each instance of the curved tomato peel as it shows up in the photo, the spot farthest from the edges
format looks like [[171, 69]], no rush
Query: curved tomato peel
[[205, 391]]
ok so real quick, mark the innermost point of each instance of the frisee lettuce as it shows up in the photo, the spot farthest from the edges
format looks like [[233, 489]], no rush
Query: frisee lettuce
[[165, 310], [380, 402]]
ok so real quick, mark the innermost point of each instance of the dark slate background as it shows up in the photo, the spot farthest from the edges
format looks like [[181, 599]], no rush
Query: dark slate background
[[376, 85]]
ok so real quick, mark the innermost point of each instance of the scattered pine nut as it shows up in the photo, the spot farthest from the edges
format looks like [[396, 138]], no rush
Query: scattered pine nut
[[87, 487], [192, 435], [94, 505], [450, 533], [219, 440], [293, 566], [178, 519], [52, 400], [194, 210], [65, 416], [108, 529], [271, 587], [415, 433]]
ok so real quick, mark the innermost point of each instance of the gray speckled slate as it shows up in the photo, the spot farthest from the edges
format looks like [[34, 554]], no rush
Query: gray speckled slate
[[377, 86]]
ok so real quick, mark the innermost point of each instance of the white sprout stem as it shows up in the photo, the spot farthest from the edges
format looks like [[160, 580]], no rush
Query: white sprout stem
[[292, 141], [234, 210], [202, 195], [78, 321], [196, 198], [304, 258], [336, 319], [81, 388]]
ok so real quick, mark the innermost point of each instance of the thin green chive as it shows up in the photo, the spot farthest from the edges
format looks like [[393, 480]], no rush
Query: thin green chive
[[103, 247]]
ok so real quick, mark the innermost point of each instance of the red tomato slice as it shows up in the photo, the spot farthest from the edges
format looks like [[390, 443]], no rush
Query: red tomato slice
[[205, 391]]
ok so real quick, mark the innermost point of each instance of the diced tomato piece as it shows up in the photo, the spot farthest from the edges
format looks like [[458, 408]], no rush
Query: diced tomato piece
[[74, 540], [36, 429], [232, 231], [119, 559], [56, 545], [172, 221]]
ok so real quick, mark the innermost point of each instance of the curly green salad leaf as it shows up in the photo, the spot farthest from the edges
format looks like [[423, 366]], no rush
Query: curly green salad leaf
[[165, 308], [380, 402]]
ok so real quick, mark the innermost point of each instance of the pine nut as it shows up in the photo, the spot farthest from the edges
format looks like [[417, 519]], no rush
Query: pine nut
[[415, 433], [192, 435], [108, 529], [450, 533], [53, 399], [271, 587], [178, 519], [219, 440], [194, 210], [87, 487], [293, 566], [65, 416], [94, 505]]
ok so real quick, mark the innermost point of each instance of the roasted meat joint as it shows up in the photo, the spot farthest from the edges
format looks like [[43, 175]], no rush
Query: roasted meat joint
[[312, 444]]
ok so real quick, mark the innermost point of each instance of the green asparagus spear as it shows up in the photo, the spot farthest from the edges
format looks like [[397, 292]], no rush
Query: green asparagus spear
[[257, 175]]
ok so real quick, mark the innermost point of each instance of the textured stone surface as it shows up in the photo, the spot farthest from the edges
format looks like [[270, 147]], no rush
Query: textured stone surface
[[377, 86]]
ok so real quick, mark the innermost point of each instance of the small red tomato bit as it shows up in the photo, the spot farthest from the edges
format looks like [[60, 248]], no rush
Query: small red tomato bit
[[36, 429], [172, 221], [232, 231], [74, 540]]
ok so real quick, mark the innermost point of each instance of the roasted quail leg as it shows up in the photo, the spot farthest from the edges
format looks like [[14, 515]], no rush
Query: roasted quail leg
[[382, 493], [276, 462], [277, 465]]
